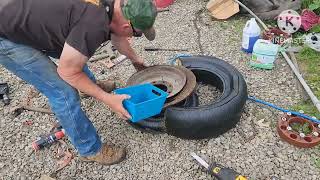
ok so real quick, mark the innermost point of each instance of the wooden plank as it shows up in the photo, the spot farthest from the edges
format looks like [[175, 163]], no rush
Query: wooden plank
[[222, 9]]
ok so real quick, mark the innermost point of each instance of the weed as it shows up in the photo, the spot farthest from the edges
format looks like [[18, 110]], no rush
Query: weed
[[271, 23], [311, 63], [315, 29], [308, 108], [313, 5], [317, 162], [311, 59], [301, 128]]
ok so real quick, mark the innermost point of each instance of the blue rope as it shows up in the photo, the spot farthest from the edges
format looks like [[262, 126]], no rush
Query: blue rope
[[284, 110], [173, 60]]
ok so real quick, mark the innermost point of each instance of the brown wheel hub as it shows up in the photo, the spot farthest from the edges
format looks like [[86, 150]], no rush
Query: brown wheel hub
[[187, 90], [162, 77], [168, 78]]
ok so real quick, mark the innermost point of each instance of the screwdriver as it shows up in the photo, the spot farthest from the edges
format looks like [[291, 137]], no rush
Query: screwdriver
[[218, 171]]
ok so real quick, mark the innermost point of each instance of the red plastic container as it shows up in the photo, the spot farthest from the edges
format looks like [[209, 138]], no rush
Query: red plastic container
[[163, 3]]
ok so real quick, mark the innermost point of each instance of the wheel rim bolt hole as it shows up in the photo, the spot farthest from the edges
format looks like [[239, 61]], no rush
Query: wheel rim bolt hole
[[293, 136], [308, 139]]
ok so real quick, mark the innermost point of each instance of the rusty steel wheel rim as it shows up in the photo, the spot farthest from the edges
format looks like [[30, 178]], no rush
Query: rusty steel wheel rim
[[187, 90], [168, 78]]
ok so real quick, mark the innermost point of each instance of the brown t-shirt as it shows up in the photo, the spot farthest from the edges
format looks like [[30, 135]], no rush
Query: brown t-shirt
[[48, 24]]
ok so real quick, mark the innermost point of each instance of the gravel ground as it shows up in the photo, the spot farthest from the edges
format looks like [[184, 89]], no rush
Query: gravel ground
[[207, 94], [253, 147]]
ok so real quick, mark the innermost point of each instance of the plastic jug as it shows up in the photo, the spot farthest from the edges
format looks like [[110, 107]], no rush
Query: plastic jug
[[264, 54], [251, 33]]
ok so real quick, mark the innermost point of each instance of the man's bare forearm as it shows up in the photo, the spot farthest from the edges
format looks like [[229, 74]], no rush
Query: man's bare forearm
[[123, 46]]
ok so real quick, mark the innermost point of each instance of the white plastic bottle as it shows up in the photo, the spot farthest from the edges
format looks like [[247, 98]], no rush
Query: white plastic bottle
[[251, 33]]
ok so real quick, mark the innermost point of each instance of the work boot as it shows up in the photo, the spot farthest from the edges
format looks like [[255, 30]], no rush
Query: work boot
[[106, 85], [108, 155]]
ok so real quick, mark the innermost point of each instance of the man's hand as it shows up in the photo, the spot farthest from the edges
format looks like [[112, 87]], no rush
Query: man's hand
[[139, 67], [139, 64], [115, 104]]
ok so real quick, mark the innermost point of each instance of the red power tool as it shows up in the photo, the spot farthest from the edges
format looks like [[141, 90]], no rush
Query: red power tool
[[46, 141]]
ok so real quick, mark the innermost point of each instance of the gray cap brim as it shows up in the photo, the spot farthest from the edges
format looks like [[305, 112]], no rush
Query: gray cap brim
[[150, 34]]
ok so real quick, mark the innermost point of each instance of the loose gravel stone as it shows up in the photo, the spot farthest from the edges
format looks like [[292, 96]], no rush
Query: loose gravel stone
[[207, 94]]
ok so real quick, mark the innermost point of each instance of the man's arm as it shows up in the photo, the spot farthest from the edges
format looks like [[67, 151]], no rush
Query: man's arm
[[70, 69], [123, 46]]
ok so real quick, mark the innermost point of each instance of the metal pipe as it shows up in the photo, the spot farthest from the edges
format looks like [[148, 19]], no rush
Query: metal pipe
[[313, 98]]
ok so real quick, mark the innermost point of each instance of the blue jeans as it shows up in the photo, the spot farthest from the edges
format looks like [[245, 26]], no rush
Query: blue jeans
[[37, 69]]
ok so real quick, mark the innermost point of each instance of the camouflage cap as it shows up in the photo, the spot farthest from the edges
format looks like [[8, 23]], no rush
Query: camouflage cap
[[142, 15]]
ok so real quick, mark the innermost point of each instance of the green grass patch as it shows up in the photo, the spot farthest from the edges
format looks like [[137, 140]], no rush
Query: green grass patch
[[236, 23], [317, 162], [312, 5], [272, 23], [309, 62], [301, 128], [315, 29], [308, 108]]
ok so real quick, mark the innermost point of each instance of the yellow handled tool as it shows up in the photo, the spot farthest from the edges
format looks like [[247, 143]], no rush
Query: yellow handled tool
[[218, 171]]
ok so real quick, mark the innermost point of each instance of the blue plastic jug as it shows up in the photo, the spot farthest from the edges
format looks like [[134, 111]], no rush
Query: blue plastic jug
[[251, 33]]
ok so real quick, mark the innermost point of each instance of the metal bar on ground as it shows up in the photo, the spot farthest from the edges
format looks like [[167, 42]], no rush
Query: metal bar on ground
[[163, 49], [313, 98]]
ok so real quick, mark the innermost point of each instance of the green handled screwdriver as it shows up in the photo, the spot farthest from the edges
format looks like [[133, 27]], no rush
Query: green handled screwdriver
[[218, 171]]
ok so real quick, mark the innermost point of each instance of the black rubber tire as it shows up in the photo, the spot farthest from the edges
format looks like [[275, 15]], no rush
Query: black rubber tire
[[156, 125], [214, 119]]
